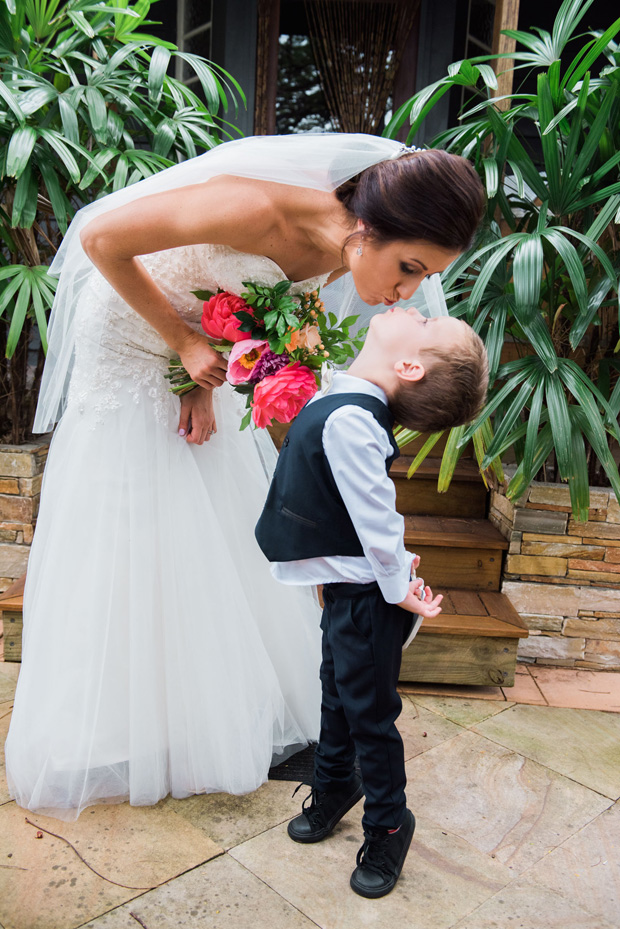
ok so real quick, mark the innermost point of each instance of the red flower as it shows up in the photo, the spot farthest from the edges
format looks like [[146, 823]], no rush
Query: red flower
[[281, 396], [218, 319]]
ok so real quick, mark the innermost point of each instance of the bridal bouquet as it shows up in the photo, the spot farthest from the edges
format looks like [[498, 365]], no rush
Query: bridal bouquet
[[277, 344]]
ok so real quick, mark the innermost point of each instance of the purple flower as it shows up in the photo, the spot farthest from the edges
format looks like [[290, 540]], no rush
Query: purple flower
[[268, 363]]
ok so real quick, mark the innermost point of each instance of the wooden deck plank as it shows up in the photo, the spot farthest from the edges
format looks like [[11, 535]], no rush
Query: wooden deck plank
[[466, 469], [447, 604], [16, 589], [466, 568], [445, 532], [459, 659], [499, 605], [468, 602], [458, 624], [421, 496]]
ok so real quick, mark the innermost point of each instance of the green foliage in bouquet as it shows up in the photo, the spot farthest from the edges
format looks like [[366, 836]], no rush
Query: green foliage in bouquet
[[544, 273], [276, 314], [87, 106]]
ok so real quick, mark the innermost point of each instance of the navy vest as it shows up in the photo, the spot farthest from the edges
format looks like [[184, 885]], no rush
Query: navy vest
[[304, 515]]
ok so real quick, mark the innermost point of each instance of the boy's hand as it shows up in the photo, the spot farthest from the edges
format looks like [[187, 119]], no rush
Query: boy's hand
[[429, 607]]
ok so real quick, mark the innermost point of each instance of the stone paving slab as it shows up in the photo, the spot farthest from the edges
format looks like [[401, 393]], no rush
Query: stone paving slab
[[221, 893], [588, 690], [8, 683], [5, 719], [581, 744], [586, 868], [4, 787], [444, 878], [460, 710], [44, 885], [525, 690], [232, 820], [421, 729], [504, 805], [10, 669], [522, 905]]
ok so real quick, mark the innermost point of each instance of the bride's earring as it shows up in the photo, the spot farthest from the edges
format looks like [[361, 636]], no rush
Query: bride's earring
[[359, 249]]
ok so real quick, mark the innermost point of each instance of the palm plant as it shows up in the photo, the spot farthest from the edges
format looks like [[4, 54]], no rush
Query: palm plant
[[86, 107], [544, 271]]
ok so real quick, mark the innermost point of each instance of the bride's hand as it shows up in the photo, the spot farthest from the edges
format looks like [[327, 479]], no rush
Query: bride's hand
[[203, 364], [197, 421]]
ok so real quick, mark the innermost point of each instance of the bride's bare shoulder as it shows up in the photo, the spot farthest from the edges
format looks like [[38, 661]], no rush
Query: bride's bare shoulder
[[245, 203], [252, 211], [256, 196]]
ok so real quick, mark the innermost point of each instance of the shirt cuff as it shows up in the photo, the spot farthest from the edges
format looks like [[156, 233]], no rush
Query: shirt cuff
[[395, 587]]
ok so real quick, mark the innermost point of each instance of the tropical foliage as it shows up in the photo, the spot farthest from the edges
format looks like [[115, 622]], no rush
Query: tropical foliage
[[544, 272], [87, 105]]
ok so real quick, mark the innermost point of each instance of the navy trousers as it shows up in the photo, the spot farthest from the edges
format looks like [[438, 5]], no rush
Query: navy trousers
[[362, 649]]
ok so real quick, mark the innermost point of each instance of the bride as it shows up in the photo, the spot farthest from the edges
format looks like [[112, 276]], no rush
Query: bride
[[159, 655]]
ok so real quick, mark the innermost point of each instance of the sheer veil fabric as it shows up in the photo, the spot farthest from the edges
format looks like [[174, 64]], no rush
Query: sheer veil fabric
[[159, 654]]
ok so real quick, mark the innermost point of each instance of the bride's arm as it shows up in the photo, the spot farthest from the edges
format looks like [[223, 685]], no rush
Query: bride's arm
[[217, 212]]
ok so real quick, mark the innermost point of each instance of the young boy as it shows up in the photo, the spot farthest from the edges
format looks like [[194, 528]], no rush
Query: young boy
[[330, 519]]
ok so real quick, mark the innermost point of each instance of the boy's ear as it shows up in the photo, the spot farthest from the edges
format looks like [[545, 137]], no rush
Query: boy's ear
[[409, 370]]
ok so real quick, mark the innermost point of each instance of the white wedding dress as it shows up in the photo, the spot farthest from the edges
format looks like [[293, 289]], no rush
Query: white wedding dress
[[159, 654]]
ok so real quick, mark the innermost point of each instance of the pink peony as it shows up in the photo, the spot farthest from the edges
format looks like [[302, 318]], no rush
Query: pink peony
[[243, 360], [281, 396], [218, 319]]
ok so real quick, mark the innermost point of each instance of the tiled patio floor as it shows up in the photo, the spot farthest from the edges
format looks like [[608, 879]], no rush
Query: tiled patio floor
[[578, 689], [516, 794]]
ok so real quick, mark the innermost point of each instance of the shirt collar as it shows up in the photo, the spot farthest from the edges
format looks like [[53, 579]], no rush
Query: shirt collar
[[348, 384]]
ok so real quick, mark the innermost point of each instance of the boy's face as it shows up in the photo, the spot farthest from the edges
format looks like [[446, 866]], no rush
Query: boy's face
[[407, 334], [392, 272]]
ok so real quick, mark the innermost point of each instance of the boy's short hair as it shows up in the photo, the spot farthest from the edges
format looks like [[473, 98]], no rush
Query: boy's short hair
[[452, 391]]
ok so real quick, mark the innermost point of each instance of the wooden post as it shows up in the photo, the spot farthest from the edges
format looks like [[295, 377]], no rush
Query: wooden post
[[266, 67], [506, 17]]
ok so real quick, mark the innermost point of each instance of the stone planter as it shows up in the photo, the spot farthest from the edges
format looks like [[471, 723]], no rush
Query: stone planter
[[563, 577], [21, 473]]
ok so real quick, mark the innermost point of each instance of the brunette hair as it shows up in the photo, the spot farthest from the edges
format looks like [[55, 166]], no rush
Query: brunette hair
[[452, 391], [430, 194]]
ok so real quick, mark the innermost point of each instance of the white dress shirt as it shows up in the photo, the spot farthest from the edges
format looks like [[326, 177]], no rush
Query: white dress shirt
[[356, 447]]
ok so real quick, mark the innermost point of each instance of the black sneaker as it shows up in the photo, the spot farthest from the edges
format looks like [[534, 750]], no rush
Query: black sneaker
[[380, 859], [325, 810]]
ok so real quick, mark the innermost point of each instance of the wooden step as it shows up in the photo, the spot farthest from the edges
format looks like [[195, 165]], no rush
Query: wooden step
[[11, 606], [460, 553], [474, 640], [412, 448], [465, 497]]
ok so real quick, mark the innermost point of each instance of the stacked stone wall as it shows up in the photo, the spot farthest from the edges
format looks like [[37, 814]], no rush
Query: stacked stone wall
[[21, 473], [563, 577]]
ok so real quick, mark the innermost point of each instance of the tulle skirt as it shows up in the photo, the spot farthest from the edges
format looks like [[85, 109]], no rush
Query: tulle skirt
[[159, 654]]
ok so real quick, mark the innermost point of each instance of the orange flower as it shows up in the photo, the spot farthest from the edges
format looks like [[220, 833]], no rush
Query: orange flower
[[307, 337]]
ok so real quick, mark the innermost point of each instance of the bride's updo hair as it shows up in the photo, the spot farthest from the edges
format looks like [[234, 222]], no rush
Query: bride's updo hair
[[431, 195]]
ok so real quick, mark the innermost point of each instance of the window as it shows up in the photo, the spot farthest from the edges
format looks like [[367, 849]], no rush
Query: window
[[194, 35]]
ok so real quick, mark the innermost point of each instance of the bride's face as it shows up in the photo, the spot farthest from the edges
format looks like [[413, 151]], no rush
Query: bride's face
[[386, 273]]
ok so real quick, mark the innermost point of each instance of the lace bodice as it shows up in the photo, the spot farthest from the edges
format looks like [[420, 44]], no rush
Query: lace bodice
[[120, 353]]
